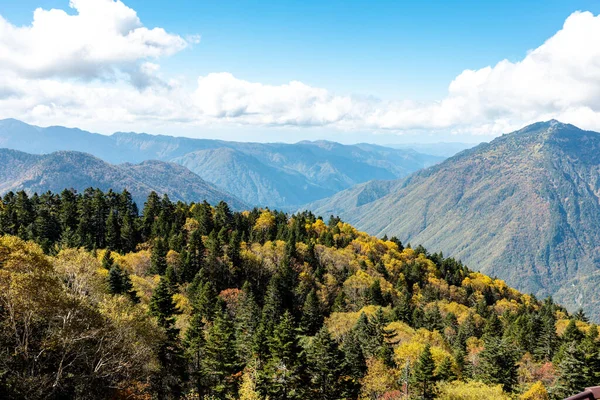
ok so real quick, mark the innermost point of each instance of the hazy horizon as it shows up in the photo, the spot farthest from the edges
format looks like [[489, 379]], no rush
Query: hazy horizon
[[382, 73]]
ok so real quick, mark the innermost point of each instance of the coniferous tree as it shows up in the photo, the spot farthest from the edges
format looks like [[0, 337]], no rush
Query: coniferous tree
[[498, 364], [169, 379], [591, 350], [247, 319], [572, 380], [312, 316], [158, 258], [219, 361], [326, 369], [283, 371], [107, 260], [113, 231], [424, 373], [444, 372]]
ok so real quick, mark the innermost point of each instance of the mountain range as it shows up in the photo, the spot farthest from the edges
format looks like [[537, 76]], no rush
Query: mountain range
[[70, 169], [524, 207], [267, 174]]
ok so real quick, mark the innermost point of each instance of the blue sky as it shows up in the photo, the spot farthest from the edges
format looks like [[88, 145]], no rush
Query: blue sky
[[385, 50]]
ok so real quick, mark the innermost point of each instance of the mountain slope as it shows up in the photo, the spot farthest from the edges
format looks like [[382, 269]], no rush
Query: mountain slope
[[272, 174], [524, 207], [250, 179], [69, 169]]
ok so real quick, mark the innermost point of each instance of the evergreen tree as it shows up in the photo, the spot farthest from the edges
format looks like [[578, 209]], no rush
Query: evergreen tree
[[247, 319], [163, 307], [283, 371], [169, 380], [354, 358], [493, 327], [312, 317], [424, 373], [325, 367], [158, 258], [113, 231], [432, 319], [444, 372], [107, 260], [571, 380], [572, 333], [591, 350], [498, 364], [220, 363]]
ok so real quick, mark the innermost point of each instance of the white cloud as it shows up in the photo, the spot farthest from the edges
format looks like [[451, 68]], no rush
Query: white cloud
[[102, 36], [559, 79]]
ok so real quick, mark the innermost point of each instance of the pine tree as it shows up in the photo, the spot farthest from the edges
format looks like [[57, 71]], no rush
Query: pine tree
[[113, 231], [119, 282], [219, 360], [312, 317], [107, 260], [444, 372], [115, 280], [571, 377], [325, 367], [591, 350], [247, 319], [283, 371], [572, 333], [163, 307], [169, 379], [493, 327], [424, 373], [498, 363], [432, 320], [354, 358], [158, 258]]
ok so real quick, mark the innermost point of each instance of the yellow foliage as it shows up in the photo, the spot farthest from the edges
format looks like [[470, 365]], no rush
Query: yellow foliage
[[144, 286], [265, 221], [378, 380], [81, 272], [319, 227], [470, 391], [340, 323], [137, 263], [460, 311], [173, 259], [410, 351], [28, 284], [504, 305], [190, 225], [537, 391], [400, 332], [561, 325], [248, 390]]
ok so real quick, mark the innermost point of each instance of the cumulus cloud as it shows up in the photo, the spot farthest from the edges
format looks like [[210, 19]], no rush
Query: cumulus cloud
[[102, 36], [559, 79]]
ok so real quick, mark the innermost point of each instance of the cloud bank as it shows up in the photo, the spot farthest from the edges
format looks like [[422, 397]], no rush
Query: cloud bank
[[100, 67]]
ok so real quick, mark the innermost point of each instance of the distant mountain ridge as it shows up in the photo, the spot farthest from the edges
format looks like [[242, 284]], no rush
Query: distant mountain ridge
[[69, 169], [524, 207], [267, 174]]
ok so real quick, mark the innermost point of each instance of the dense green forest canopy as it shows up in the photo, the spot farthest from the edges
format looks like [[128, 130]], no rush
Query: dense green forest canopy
[[99, 300]]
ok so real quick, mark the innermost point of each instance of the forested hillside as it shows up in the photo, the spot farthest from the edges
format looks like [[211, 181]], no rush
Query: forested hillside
[[98, 301], [74, 170], [266, 174], [524, 207]]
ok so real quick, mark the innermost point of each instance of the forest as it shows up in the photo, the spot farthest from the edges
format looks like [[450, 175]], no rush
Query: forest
[[99, 299]]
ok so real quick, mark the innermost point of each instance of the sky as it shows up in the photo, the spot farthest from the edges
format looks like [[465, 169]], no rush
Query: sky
[[352, 71]]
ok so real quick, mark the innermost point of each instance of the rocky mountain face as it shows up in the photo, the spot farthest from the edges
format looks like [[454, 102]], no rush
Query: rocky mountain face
[[524, 207]]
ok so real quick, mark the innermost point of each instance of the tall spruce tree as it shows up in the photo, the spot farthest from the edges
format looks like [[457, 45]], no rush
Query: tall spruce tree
[[423, 373]]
